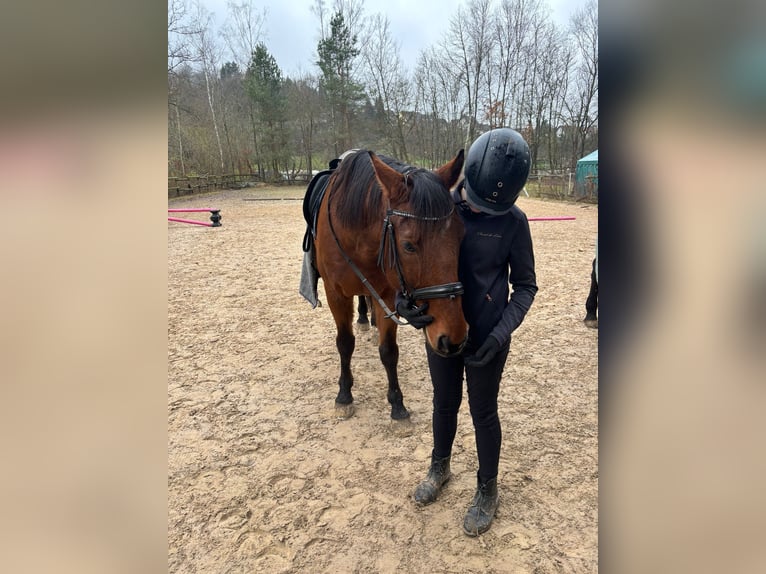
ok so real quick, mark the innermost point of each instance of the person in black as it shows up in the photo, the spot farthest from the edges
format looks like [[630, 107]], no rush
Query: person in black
[[591, 303], [496, 253]]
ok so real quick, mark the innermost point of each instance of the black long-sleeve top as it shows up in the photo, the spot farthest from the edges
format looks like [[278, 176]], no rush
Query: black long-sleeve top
[[496, 254]]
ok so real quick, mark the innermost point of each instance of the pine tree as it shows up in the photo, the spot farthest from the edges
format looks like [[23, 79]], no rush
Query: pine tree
[[264, 86], [337, 53]]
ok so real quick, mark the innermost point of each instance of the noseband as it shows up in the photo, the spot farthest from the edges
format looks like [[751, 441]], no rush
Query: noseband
[[388, 250]]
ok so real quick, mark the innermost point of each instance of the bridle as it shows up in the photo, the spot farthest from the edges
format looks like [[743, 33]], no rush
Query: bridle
[[388, 238]]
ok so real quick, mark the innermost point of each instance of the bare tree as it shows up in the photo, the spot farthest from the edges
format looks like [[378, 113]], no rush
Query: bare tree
[[180, 31], [305, 107], [439, 109], [242, 30], [542, 86], [319, 9], [556, 79], [206, 53], [468, 50], [510, 37], [387, 82], [353, 15], [180, 53], [583, 107], [501, 62], [519, 35]]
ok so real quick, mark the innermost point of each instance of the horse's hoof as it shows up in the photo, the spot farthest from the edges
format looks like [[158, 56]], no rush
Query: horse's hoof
[[363, 326], [592, 323], [400, 413], [402, 427], [344, 411]]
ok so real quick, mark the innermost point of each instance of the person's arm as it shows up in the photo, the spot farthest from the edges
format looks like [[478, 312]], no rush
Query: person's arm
[[523, 283]]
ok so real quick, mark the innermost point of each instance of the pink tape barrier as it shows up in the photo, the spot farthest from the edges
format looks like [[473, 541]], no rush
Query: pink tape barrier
[[194, 210], [566, 218], [192, 221]]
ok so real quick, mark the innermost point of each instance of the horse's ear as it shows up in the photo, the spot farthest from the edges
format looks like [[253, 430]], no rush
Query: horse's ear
[[450, 172], [391, 181]]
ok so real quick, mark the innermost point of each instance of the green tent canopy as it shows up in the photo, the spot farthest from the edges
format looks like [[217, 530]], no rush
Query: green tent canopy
[[586, 176]]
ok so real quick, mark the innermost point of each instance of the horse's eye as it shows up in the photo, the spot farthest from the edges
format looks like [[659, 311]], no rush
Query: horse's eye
[[409, 247]]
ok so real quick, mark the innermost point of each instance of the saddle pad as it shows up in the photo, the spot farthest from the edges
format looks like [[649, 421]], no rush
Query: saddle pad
[[311, 202]]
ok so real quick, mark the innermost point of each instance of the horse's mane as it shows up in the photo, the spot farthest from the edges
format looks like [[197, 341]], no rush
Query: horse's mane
[[357, 194]]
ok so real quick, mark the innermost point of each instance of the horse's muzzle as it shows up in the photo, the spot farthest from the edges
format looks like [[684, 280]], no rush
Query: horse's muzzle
[[446, 348]]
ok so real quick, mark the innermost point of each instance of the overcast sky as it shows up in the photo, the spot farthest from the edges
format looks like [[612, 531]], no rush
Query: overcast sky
[[292, 31]]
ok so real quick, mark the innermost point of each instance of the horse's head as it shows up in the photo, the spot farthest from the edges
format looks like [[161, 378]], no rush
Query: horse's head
[[422, 245]]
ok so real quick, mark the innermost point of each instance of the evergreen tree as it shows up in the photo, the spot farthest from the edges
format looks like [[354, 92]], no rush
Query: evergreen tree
[[229, 70], [264, 86], [337, 53]]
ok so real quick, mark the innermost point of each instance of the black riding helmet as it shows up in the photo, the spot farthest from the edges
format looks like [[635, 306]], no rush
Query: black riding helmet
[[496, 169]]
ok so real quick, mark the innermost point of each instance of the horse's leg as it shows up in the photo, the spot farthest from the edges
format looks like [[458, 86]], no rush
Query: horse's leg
[[389, 356], [372, 315], [343, 312], [362, 322], [591, 303]]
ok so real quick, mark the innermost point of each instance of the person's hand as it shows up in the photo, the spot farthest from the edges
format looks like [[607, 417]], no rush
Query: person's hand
[[414, 314], [483, 354]]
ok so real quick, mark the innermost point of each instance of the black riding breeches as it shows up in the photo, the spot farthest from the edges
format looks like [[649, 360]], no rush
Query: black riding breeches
[[483, 387], [591, 303]]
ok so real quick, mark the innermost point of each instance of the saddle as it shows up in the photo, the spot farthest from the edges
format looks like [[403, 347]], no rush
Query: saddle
[[311, 202], [313, 198]]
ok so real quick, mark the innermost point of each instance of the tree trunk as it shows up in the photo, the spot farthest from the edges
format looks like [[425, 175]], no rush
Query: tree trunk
[[180, 142], [215, 122]]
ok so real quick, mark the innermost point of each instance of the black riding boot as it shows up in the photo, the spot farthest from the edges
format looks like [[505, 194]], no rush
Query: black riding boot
[[591, 303], [482, 510], [439, 473]]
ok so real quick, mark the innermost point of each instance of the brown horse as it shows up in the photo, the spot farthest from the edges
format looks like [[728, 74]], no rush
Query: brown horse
[[385, 227]]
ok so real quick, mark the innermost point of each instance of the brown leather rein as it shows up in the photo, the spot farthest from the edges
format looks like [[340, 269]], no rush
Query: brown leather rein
[[388, 237]]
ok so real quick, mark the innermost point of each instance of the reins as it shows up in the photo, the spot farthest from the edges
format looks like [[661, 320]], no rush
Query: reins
[[389, 313], [388, 236]]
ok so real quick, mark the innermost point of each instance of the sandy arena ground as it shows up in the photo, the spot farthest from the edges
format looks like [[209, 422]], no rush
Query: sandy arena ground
[[263, 478]]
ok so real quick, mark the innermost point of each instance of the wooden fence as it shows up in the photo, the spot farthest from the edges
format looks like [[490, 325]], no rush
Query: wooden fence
[[561, 187], [189, 185], [550, 186]]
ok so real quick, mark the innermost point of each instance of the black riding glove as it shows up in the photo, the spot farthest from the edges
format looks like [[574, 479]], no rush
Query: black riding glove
[[414, 314], [483, 354]]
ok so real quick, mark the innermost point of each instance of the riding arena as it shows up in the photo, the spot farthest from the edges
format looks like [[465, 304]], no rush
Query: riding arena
[[264, 476]]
